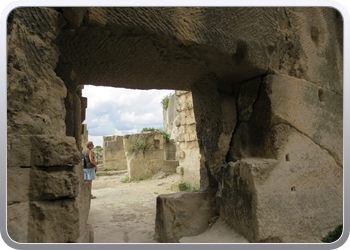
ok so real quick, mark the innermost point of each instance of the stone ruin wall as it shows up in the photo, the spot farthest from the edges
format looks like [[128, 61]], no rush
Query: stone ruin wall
[[113, 153], [158, 157], [84, 136], [267, 100], [179, 122]]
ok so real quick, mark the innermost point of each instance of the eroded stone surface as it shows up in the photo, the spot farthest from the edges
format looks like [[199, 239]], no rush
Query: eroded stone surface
[[255, 195], [211, 52], [182, 214]]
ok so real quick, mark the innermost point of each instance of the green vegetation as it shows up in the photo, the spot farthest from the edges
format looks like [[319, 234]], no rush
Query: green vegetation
[[184, 187], [136, 145], [333, 235], [106, 169], [78, 92], [149, 130], [126, 179], [98, 153], [165, 135], [142, 179], [165, 101], [187, 187]]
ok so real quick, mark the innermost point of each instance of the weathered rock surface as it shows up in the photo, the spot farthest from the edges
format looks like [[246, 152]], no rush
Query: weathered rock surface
[[183, 214], [113, 153], [218, 232], [255, 195], [144, 164], [214, 53]]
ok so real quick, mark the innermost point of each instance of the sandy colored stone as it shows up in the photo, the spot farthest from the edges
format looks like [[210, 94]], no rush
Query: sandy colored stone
[[298, 53]]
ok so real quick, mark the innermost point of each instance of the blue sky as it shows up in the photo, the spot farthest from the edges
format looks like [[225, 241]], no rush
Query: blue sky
[[118, 111]]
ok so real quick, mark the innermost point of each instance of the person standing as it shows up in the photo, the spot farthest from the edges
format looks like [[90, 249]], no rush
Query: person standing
[[90, 164]]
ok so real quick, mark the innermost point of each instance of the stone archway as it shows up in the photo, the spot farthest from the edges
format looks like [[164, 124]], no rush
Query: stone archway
[[256, 75]]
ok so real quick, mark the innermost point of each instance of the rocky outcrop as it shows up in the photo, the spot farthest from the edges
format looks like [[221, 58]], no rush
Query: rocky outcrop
[[48, 200]]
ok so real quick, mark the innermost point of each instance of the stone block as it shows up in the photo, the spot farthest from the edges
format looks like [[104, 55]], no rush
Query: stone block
[[317, 112], [17, 221], [193, 137], [50, 185], [266, 190], [169, 167], [18, 184], [183, 214], [180, 170], [158, 154], [63, 214], [187, 137], [19, 151], [180, 154], [48, 151]]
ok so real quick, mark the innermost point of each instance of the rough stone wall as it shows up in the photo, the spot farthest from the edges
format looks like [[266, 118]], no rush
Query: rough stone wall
[[84, 136], [113, 153], [179, 122], [254, 74], [144, 164], [48, 200]]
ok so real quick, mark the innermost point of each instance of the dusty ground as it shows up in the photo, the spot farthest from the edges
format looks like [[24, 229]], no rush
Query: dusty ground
[[125, 212]]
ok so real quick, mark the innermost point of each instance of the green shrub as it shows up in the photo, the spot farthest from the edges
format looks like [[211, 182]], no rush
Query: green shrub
[[187, 187], [136, 145], [126, 180], [149, 129], [165, 101], [165, 136], [106, 169], [333, 235]]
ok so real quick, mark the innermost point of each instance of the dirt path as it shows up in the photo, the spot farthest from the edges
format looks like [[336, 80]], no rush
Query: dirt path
[[126, 212]]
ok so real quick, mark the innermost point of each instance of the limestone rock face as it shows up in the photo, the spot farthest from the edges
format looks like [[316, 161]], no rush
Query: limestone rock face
[[34, 92], [42, 151], [61, 213], [179, 121], [46, 194], [303, 182], [267, 94]]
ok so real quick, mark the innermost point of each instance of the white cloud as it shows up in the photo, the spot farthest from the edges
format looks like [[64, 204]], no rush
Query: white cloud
[[117, 111], [141, 119]]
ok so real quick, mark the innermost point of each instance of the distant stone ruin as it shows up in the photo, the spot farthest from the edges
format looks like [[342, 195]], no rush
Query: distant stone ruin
[[159, 156], [114, 153]]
